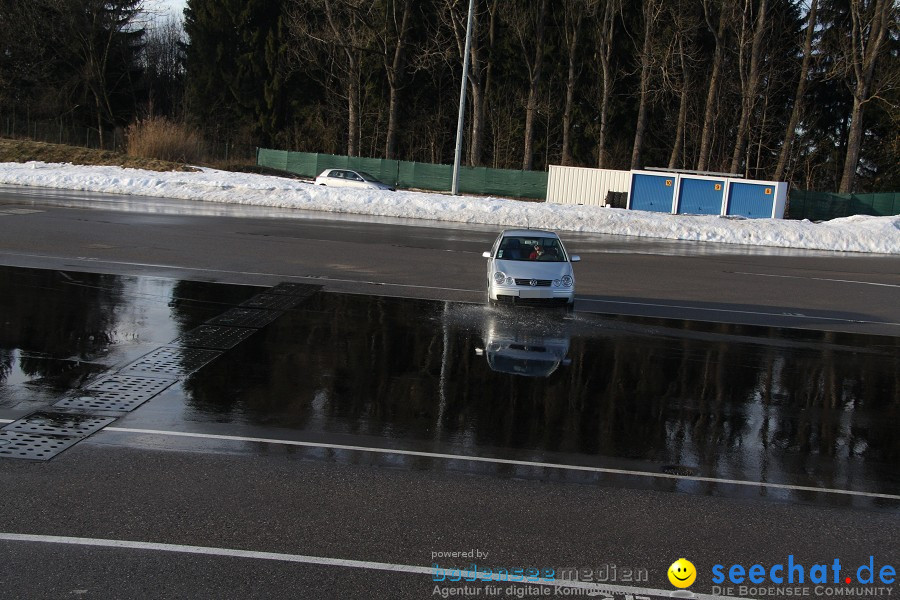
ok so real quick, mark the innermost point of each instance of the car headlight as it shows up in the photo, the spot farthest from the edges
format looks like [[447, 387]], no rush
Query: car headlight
[[556, 283], [499, 278], [567, 281]]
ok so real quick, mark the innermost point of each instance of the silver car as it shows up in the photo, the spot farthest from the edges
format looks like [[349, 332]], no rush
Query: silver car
[[352, 179], [530, 266], [522, 347]]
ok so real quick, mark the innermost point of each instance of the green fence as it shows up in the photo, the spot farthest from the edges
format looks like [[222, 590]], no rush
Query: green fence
[[424, 176], [822, 206], [815, 206]]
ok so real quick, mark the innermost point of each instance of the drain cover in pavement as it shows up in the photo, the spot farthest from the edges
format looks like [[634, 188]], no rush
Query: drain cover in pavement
[[116, 392], [60, 424], [174, 362], [214, 336], [14, 444], [679, 470], [273, 301], [288, 288], [245, 317]]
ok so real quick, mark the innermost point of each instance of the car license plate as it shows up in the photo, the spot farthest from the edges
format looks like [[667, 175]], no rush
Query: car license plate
[[535, 293]]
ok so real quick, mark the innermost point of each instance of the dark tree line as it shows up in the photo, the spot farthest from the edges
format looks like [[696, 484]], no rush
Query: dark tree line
[[802, 90], [72, 60], [96, 63]]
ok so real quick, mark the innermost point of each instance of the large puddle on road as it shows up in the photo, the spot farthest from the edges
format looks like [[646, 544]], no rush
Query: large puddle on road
[[805, 408]]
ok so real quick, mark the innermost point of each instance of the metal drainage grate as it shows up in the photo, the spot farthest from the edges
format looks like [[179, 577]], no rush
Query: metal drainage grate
[[245, 317], [288, 288], [14, 444], [117, 393], [61, 424], [175, 362], [214, 336], [679, 470], [273, 301]]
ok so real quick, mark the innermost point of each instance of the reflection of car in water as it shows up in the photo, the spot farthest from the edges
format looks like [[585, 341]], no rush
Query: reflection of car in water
[[522, 346]]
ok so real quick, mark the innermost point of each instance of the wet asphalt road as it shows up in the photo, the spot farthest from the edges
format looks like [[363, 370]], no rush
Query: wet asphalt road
[[273, 502], [237, 244], [351, 375]]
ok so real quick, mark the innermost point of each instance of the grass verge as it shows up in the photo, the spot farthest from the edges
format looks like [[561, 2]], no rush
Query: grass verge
[[26, 150]]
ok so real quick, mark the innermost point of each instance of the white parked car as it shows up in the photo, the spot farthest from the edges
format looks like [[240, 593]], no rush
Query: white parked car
[[353, 179], [530, 266]]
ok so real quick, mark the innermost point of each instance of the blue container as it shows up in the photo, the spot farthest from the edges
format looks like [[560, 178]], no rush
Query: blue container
[[752, 200], [652, 192], [700, 196]]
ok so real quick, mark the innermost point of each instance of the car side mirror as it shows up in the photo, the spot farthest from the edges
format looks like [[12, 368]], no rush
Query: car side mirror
[[576, 258], [486, 254]]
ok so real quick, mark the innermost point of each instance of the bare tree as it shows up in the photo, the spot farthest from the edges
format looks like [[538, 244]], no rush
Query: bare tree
[[528, 26], [163, 62], [750, 78], [791, 129], [480, 63], [574, 11], [605, 37], [871, 22], [393, 41], [482, 107], [100, 38], [343, 28], [651, 9], [718, 33], [681, 87]]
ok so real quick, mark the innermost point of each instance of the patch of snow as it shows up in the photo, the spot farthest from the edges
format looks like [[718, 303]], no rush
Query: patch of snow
[[851, 234]]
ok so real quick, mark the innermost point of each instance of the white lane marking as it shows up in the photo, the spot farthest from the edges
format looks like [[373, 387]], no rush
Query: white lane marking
[[320, 560], [234, 438], [503, 461], [728, 310], [819, 279], [430, 287], [259, 273], [18, 211]]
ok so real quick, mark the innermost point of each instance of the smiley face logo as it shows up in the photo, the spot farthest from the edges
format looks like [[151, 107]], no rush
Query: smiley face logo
[[682, 573]]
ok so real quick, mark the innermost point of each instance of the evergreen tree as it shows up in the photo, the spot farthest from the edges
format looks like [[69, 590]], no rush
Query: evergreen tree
[[211, 64], [78, 58], [235, 68], [163, 64]]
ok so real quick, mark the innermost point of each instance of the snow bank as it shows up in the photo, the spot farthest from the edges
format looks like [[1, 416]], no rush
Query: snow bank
[[851, 234]]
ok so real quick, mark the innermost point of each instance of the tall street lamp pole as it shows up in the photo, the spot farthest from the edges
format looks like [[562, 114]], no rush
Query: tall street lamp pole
[[454, 188]]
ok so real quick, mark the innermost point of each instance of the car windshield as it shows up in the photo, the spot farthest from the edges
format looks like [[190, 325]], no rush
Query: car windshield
[[544, 249], [367, 177]]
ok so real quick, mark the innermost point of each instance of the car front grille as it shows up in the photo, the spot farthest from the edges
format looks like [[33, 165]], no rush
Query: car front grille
[[516, 301], [540, 282]]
